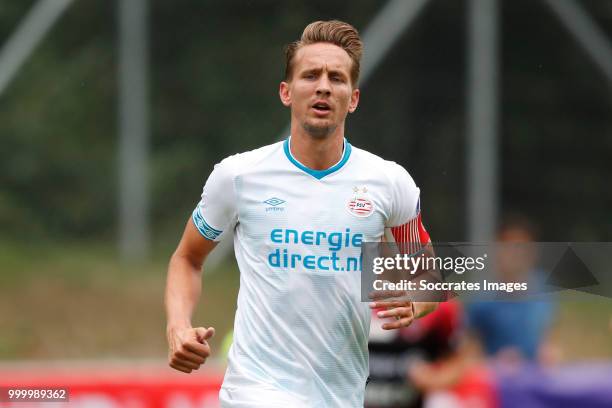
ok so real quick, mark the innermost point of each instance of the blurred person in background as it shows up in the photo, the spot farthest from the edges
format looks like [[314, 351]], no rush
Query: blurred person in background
[[299, 208], [429, 364], [515, 330], [510, 332], [394, 353]]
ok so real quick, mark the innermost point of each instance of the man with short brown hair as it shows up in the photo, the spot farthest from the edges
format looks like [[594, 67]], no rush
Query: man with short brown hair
[[300, 210]]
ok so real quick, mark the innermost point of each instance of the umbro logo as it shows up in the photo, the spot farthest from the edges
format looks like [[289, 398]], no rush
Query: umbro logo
[[275, 204], [274, 201]]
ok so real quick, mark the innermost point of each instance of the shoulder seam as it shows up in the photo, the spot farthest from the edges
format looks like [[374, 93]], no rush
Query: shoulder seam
[[273, 148]]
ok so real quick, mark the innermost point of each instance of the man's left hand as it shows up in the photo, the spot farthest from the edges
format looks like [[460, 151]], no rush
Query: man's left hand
[[402, 310]]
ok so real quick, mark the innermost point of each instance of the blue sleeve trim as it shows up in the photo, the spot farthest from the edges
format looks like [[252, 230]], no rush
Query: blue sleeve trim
[[206, 230]]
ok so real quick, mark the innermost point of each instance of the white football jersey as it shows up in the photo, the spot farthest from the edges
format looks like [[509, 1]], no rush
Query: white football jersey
[[301, 330]]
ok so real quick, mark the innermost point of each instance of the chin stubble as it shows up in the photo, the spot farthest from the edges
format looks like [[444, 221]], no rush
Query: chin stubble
[[319, 132]]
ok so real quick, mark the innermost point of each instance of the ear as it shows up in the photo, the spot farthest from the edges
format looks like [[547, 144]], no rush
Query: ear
[[354, 100], [285, 93]]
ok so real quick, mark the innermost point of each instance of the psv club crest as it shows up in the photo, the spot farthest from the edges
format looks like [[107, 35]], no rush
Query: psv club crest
[[360, 204]]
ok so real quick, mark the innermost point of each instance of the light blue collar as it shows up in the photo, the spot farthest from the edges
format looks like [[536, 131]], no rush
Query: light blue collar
[[318, 174]]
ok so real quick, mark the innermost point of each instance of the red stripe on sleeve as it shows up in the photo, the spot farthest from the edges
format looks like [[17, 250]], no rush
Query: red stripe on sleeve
[[411, 235]]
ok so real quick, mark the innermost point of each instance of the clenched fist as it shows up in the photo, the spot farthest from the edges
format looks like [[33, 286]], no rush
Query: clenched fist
[[188, 347]]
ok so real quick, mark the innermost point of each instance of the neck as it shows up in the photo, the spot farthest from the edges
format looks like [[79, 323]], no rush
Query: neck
[[317, 153]]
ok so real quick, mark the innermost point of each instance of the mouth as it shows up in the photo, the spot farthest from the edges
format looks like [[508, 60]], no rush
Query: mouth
[[321, 108]]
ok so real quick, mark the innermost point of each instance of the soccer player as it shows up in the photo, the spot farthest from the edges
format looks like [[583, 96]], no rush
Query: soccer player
[[300, 210]]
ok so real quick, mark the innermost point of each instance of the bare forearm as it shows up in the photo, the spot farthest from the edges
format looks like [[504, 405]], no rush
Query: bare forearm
[[422, 309], [183, 288]]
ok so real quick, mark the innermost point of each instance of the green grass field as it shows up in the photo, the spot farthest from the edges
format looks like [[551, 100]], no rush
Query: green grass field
[[77, 301]]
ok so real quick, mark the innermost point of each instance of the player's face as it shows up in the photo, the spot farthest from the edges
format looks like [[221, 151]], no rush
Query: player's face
[[320, 92]]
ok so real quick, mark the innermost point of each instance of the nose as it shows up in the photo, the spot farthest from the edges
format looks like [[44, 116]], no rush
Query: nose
[[323, 86]]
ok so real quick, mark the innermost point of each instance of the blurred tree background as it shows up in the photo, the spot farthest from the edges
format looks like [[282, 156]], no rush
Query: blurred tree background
[[215, 67], [214, 74]]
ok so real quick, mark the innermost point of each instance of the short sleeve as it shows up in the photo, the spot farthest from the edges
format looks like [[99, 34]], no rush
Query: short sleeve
[[404, 197], [216, 212]]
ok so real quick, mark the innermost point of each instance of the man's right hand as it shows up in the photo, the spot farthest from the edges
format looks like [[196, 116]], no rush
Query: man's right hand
[[189, 347]]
